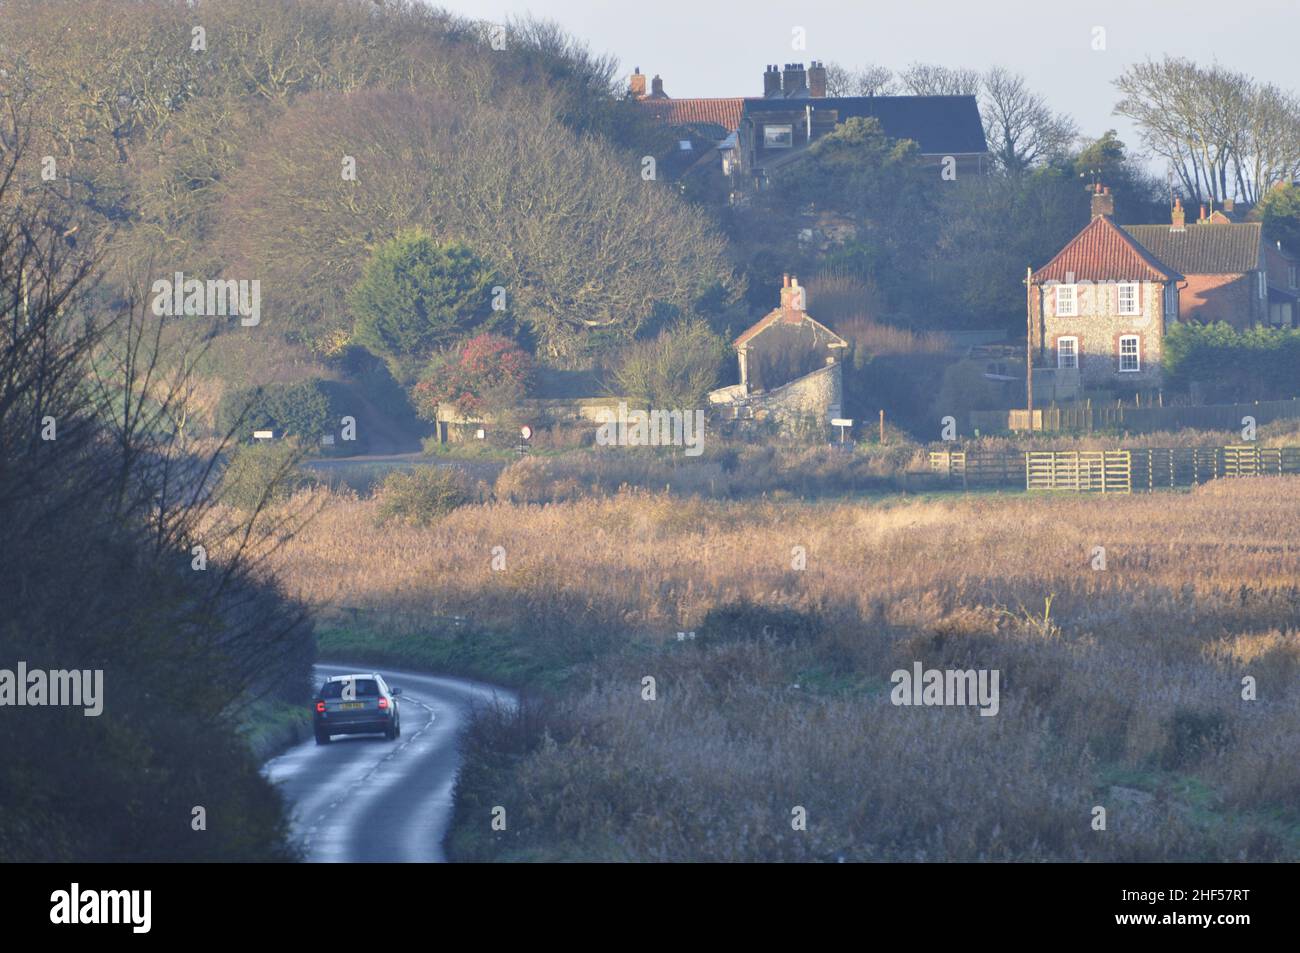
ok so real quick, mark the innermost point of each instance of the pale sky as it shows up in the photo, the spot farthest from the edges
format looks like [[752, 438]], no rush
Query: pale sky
[[719, 47]]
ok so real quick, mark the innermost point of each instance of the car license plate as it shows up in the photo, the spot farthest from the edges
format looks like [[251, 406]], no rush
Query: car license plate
[[349, 706]]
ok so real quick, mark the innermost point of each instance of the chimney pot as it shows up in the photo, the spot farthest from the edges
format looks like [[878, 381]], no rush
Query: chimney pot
[[1103, 203], [657, 88], [817, 80], [794, 81], [637, 85], [791, 298], [771, 82]]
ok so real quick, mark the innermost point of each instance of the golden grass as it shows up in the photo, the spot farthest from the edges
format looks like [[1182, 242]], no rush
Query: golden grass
[[664, 560], [1200, 589]]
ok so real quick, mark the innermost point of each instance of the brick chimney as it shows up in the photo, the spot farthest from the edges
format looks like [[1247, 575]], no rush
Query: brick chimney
[[1103, 203], [817, 80], [794, 81], [637, 84], [1201, 220], [657, 88], [1179, 217], [792, 298], [771, 83]]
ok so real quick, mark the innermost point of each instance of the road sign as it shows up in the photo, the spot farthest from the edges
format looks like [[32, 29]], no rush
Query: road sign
[[844, 424], [526, 432]]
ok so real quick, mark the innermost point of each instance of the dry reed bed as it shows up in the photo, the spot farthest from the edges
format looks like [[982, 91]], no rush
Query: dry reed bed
[[1137, 667]]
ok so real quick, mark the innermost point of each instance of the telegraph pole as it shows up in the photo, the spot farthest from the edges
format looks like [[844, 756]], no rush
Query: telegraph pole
[[1029, 344]]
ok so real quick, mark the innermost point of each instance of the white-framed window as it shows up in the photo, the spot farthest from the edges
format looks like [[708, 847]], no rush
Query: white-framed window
[[1067, 352], [778, 137], [1128, 297], [1067, 301], [1130, 354]]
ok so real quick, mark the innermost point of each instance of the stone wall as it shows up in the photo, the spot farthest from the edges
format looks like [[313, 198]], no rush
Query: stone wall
[[815, 397], [453, 427]]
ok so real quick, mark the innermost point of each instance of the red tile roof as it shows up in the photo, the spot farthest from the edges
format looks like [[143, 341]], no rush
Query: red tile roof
[[682, 112], [1104, 252]]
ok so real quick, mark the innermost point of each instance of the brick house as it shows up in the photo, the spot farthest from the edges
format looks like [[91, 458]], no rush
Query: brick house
[[790, 366], [1283, 285], [1224, 262], [1099, 309]]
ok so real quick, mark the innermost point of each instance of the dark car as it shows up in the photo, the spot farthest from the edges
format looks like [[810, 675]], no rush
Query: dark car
[[356, 705]]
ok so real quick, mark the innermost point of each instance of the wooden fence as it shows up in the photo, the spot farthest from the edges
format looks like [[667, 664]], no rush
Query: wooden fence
[[1113, 471], [979, 469], [1085, 417], [1084, 471]]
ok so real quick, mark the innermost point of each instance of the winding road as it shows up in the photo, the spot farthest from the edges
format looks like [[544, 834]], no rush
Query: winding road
[[364, 799]]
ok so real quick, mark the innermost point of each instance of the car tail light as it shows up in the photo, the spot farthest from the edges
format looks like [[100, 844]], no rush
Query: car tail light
[[320, 706], [383, 702]]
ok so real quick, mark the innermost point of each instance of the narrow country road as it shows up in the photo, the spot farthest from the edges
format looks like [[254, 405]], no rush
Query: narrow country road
[[362, 798]]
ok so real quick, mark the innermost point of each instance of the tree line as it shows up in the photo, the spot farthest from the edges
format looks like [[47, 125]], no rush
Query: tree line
[[120, 557]]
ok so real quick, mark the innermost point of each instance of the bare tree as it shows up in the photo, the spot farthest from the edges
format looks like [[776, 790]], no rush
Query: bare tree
[[869, 80], [1222, 133], [931, 79], [840, 80], [1022, 129], [1270, 151], [876, 81]]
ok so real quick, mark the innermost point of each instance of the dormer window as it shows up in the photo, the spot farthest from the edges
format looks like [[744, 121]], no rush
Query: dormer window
[[778, 137]]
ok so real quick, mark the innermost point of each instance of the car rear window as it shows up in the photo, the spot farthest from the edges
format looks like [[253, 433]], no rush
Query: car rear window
[[366, 688]]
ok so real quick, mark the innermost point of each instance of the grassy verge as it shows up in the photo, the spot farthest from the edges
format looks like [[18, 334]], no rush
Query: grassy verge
[[511, 659], [271, 726]]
